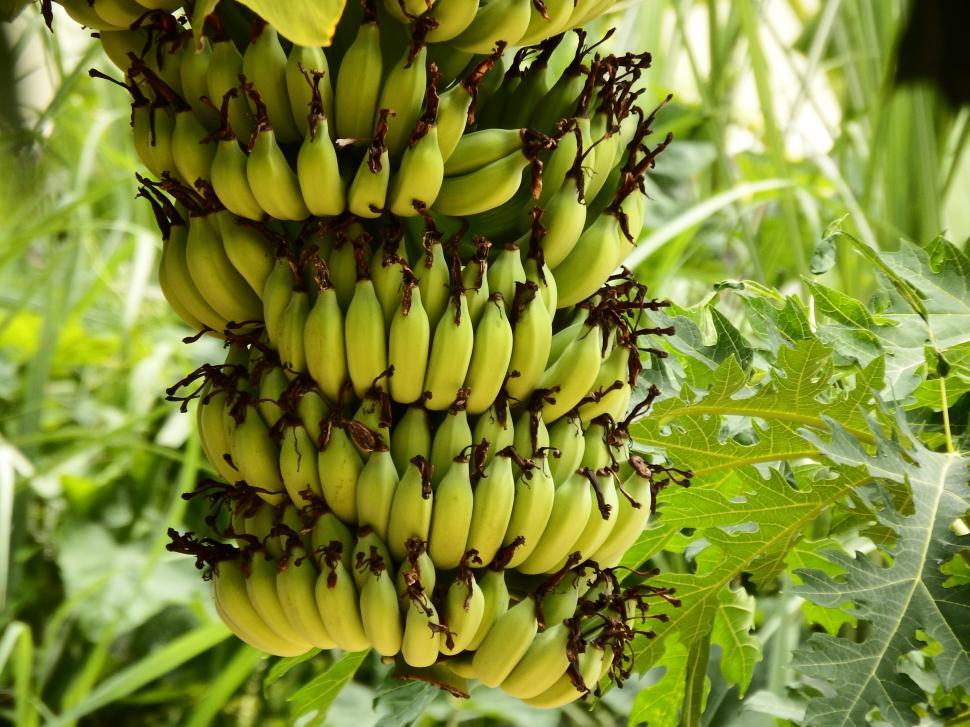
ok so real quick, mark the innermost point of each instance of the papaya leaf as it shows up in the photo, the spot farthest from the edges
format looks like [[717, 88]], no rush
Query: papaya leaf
[[305, 22], [902, 603]]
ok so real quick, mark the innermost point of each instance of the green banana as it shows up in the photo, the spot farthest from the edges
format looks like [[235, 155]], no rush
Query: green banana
[[273, 183], [496, 592], [564, 691], [175, 279], [195, 59], [296, 585], [359, 81], [458, 102], [631, 518], [409, 344], [255, 454], [298, 465], [323, 341], [264, 65], [342, 263], [306, 67], [192, 156], [388, 267], [452, 17], [573, 374], [541, 665], [595, 255], [611, 390], [367, 195], [313, 410], [272, 383], [474, 281], [462, 612], [483, 189], [276, 295], [338, 603], [248, 250], [365, 339], [499, 20], [505, 273], [542, 276], [492, 511], [403, 92], [317, 166], [495, 427], [215, 276], [339, 466], [571, 505], [563, 221], [491, 356], [418, 179], [417, 566], [535, 494], [451, 516], [289, 340], [214, 432], [411, 437], [507, 642], [434, 279], [602, 517], [375, 490], [451, 353], [233, 604], [119, 13], [531, 436], [555, 20], [532, 326], [261, 588], [370, 547], [329, 529], [379, 610], [452, 437], [421, 629], [411, 508], [480, 148], [222, 78]]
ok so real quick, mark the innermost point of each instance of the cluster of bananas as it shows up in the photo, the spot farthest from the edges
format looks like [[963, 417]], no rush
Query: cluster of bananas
[[421, 425]]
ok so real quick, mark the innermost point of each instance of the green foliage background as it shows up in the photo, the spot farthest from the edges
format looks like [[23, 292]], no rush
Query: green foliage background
[[818, 387]]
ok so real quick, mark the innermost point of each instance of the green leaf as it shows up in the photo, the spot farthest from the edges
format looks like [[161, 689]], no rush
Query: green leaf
[[317, 695], [401, 703], [282, 667], [733, 626], [898, 600], [305, 22], [659, 705]]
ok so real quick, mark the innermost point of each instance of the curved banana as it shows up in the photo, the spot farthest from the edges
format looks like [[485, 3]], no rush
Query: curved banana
[[474, 282], [602, 516], [215, 276], [305, 68], [222, 78], [273, 382], [631, 519], [317, 166], [491, 356], [570, 509], [496, 593], [495, 426], [573, 374], [452, 437], [480, 148], [119, 13], [375, 490], [409, 345], [339, 607], [532, 325], [418, 180], [556, 20], [563, 220], [507, 642], [339, 466], [261, 587], [367, 195], [214, 431], [323, 342], [595, 255], [289, 339], [192, 156], [500, 20], [178, 286], [264, 65], [193, 64], [342, 264], [298, 465], [273, 182], [564, 691], [411, 508], [434, 279], [531, 510], [403, 92], [365, 339], [248, 250], [451, 353], [359, 81], [451, 517], [329, 529], [276, 295], [611, 388], [494, 499], [483, 189], [411, 437], [421, 630], [256, 456], [452, 18], [542, 664], [505, 273], [379, 610], [370, 547], [462, 612], [296, 585]]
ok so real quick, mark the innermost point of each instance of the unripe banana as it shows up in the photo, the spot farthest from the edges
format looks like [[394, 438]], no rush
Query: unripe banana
[[192, 157], [370, 548], [564, 691], [556, 20], [313, 410], [573, 374], [233, 604], [496, 593], [491, 356], [388, 267], [410, 438], [483, 189], [500, 20], [506, 273], [451, 438], [342, 263], [451, 516], [560, 603], [215, 276], [119, 13], [410, 509], [301, 62], [329, 529], [416, 566], [264, 65], [420, 644], [602, 516], [403, 92], [367, 195], [507, 642], [339, 606], [570, 510], [273, 382], [565, 158], [456, 103], [291, 331], [563, 221], [256, 456], [532, 508], [463, 610], [84, 14], [178, 285], [543, 277], [434, 279], [296, 586], [611, 386], [196, 56], [531, 436], [630, 519], [317, 166], [480, 148], [298, 465], [365, 339], [589, 264], [276, 295], [562, 338], [451, 353], [359, 82], [532, 326], [541, 665], [452, 18], [323, 342], [495, 426], [273, 183], [214, 431], [407, 11], [474, 281], [222, 77], [596, 454], [339, 465], [375, 491], [261, 587], [379, 611], [248, 251], [494, 499], [409, 345], [418, 179]]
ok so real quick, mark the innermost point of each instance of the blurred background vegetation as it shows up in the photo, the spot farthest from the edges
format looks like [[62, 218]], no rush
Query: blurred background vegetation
[[785, 118]]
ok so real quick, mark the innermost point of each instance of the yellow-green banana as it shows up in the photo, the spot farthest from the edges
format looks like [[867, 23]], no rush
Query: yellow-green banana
[[273, 182], [494, 500], [256, 455], [507, 642], [339, 466], [379, 611], [500, 20], [215, 276], [483, 189], [535, 493], [532, 325], [602, 516], [329, 529], [365, 338], [451, 516], [564, 691], [402, 92], [573, 374], [496, 592], [306, 67], [375, 490], [248, 251], [409, 345], [451, 353], [261, 587], [276, 295], [451, 438], [490, 357], [339, 606], [367, 195], [289, 339], [298, 465], [506, 273], [495, 426], [411, 508], [541, 665], [592, 259], [359, 81], [192, 156], [317, 166], [462, 612], [296, 585], [570, 511], [421, 631], [221, 78], [631, 518], [434, 279], [480, 148], [419, 177], [264, 65], [177, 284], [411, 437], [323, 342]]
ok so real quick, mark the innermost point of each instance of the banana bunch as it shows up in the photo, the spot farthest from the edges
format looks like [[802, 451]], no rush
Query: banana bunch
[[411, 244]]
